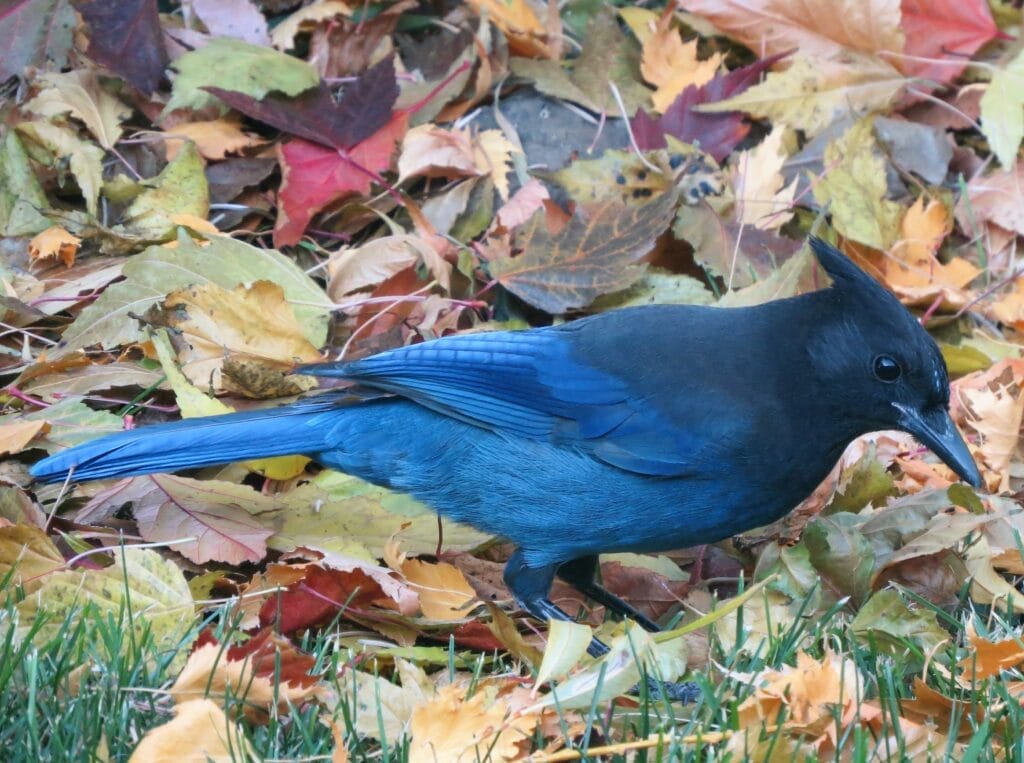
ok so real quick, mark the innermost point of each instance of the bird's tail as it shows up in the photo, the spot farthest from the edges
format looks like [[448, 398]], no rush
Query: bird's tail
[[299, 428]]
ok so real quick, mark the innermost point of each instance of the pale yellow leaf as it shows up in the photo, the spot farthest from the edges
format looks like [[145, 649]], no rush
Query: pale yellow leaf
[[80, 93], [762, 196], [671, 65], [215, 138], [16, 435], [199, 733]]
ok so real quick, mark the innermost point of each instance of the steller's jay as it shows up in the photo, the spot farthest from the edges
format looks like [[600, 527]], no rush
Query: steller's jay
[[641, 429]]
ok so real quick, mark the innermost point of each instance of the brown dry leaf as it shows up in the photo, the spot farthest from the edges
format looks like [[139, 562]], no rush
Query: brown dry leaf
[[810, 692], [215, 138], [199, 733], [210, 672], [913, 271], [762, 196], [819, 29], [671, 65], [432, 151], [589, 257], [526, 34], [16, 435], [988, 658], [929, 705], [254, 594], [443, 590], [994, 402], [54, 242], [283, 36], [369, 265], [457, 729], [250, 322]]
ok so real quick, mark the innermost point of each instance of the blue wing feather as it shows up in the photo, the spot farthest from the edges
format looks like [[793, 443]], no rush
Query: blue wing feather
[[528, 384]]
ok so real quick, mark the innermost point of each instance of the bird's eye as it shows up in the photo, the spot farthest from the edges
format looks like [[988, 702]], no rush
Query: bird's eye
[[887, 369]]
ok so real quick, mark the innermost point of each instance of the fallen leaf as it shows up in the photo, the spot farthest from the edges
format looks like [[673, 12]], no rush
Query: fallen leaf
[[762, 197], [516, 19], [854, 186], [950, 31], [27, 557], [283, 34], [127, 38], [812, 94], [180, 188], [1002, 112], [84, 158], [672, 65], [214, 138], [589, 257], [200, 732], [54, 243], [453, 727], [442, 589], [15, 436], [820, 29], [80, 94]]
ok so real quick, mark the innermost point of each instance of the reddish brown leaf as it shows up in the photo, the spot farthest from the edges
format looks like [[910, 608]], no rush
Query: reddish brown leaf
[[949, 30], [315, 115], [36, 33], [717, 133], [589, 257], [126, 37], [269, 655], [313, 176], [651, 593], [319, 596]]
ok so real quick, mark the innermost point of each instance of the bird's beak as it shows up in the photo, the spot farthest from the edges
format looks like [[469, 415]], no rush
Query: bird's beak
[[934, 428]]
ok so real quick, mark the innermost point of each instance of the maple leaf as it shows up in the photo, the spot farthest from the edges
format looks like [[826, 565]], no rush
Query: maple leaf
[[591, 256], [951, 31], [762, 195], [199, 731], [672, 65], [315, 115], [126, 37], [718, 133], [820, 29], [313, 176]]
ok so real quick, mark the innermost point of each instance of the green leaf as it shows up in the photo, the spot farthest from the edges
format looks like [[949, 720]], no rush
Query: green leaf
[[21, 197], [157, 271], [841, 554], [235, 65], [854, 187], [887, 620], [73, 422], [181, 189], [1002, 112]]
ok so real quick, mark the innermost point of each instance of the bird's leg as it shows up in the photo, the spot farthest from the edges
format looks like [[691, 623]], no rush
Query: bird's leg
[[531, 586], [580, 574]]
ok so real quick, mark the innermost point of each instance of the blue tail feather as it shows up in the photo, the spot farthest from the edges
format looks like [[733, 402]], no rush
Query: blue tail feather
[[299, 428]]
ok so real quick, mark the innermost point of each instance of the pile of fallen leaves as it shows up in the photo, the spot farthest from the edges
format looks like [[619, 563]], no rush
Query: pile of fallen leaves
[[196, 196]]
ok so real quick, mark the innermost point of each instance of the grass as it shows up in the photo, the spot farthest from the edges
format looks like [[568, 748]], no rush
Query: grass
[[89, 695]]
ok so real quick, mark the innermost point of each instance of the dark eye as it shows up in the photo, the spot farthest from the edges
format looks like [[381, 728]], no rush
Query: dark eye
[[887, 369]]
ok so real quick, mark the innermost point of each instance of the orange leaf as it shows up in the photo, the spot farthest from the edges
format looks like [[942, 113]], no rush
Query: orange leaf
[[54, 242]]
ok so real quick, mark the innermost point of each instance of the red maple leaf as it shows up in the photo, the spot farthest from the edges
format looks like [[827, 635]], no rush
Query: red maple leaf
[[949, 30], [314, 176]]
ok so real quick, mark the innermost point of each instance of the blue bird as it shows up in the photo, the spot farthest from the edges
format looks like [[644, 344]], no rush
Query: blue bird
[[641, 429]]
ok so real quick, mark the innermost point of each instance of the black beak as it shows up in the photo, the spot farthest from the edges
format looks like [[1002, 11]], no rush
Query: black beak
[[934, 428]]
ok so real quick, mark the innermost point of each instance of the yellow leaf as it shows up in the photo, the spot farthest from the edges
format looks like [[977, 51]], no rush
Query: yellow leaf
[[443, 591], [30, 553], [913, 270], [1002, 111], [453, 728], [180, 188], [16, 435], [520, 24], [854, 185], [283, 36], [672, 65], [54, 242], [199, 733], [811, 94], [762, 197], [80, 93], [214, 138]]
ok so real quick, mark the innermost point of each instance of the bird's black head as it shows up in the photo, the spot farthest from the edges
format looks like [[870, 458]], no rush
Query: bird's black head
[[881, 368]]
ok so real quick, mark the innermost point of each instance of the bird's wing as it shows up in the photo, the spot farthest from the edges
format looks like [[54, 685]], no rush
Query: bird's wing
[[529, 384]]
